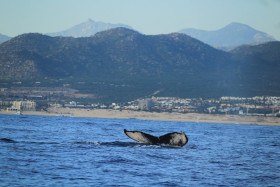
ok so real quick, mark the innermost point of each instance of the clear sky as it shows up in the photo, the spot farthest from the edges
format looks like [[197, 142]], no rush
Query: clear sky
[[147, 16]]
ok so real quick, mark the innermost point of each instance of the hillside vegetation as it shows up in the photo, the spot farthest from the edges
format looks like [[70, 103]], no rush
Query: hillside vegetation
[[122, 64]]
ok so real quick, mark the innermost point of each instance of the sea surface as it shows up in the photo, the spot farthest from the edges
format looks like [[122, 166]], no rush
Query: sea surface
[[70, 151]]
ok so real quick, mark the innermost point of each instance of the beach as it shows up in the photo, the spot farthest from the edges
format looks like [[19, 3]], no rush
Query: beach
[[163, 116]]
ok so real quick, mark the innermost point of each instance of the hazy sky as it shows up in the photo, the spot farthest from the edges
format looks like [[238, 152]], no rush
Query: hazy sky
[[146, 16]]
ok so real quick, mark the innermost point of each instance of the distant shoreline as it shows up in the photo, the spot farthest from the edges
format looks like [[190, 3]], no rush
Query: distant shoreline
[[163, 116]]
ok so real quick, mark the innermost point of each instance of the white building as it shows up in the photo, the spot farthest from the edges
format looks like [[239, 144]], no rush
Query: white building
[[145, 103]]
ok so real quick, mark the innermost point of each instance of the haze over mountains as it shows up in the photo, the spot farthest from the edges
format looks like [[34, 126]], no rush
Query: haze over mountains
[[122, 64], [87, 28], [230, 36], [227, 38]]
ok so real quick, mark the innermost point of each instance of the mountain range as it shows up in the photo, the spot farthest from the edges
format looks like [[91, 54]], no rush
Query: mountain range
[[227, 38], [230, 36], [121, 64], [87, 28]]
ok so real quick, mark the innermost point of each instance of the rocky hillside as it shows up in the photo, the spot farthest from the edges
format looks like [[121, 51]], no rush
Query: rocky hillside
[[259, 65]]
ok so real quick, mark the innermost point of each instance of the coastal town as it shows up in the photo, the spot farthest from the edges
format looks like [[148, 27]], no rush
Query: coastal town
[[41, 99]]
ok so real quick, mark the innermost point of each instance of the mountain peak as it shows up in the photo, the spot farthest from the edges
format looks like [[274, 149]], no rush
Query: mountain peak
[[88, 28], [90, 20], [116, 33], [230, 36], [235, 26]]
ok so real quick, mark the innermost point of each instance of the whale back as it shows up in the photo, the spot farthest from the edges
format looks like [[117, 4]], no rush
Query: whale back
[[142, 137], [174, 139]]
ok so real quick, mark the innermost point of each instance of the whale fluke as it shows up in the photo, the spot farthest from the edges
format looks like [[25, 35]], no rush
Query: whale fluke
[[172, 139]]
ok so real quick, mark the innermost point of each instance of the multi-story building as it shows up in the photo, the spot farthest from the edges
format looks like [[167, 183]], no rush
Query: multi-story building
[[22, 106], [28, 106]]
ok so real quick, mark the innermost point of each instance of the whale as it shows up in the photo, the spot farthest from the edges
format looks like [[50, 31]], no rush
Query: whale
[[170, 139]]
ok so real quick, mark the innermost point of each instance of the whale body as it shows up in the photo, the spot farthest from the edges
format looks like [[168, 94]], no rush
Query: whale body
[[171, 139]]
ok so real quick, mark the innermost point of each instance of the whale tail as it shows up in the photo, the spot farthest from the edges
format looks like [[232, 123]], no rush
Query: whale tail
[[173, 139], [142, 137]]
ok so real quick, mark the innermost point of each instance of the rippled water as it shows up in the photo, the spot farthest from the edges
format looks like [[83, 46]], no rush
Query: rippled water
[[65, 151]]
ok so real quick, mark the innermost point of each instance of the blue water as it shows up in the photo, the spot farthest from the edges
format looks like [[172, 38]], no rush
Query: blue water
[[67, 151]]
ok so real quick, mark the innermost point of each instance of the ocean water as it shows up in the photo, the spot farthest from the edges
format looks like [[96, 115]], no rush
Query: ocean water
[[68, 151]]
